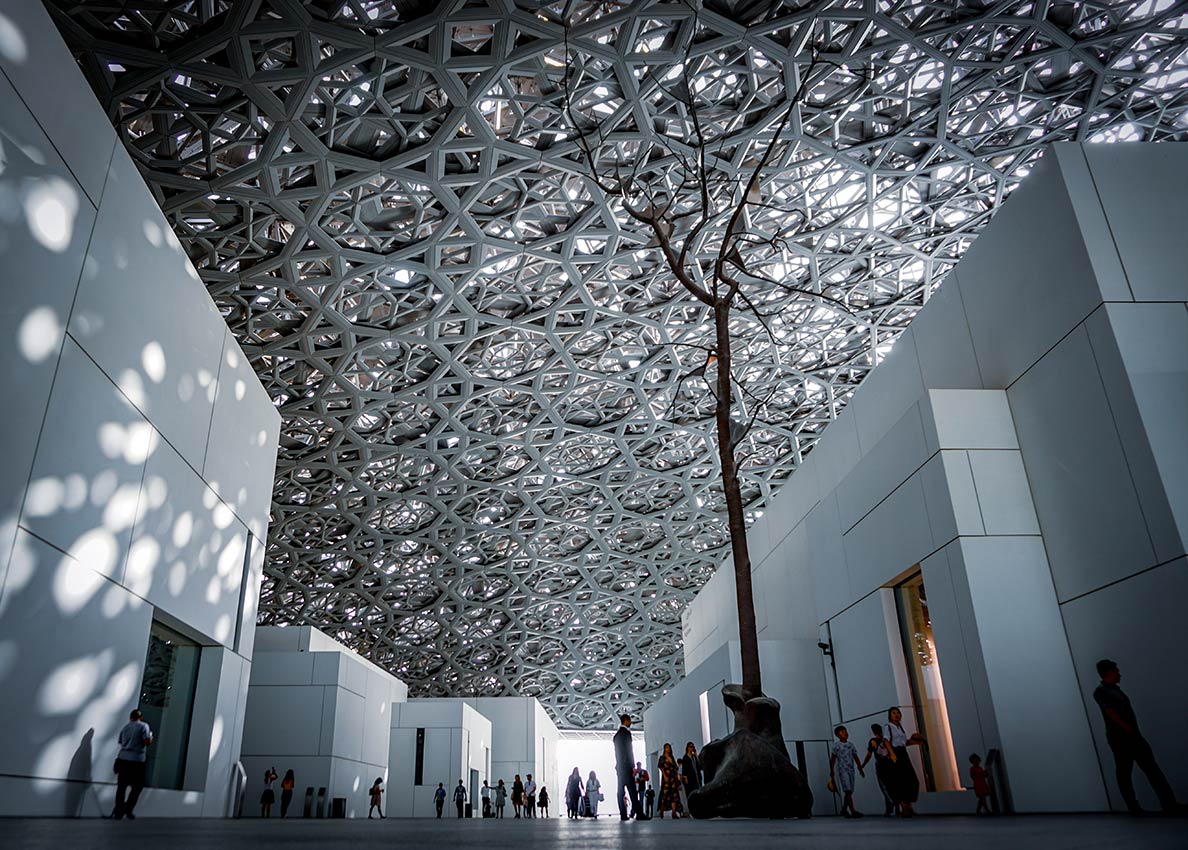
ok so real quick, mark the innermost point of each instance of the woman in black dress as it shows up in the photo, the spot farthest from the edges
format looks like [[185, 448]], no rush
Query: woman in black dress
[[517, 794], [690, 770], [573, 794], [904, 784]]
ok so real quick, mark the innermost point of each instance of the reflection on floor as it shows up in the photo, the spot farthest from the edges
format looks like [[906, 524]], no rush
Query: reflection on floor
[[923, 833]]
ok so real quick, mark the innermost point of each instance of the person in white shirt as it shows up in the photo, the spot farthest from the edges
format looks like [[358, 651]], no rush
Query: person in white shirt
[[529, 797], [486, 796], [135, 739]]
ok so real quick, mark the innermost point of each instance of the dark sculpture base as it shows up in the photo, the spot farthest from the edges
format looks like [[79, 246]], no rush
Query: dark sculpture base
[[748, 774]]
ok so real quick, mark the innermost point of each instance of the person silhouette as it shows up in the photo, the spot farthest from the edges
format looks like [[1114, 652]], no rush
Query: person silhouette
[[1127, 743], [624, 769]]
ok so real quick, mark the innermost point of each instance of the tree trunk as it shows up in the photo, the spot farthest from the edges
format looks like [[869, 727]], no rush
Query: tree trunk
[[748, 637]]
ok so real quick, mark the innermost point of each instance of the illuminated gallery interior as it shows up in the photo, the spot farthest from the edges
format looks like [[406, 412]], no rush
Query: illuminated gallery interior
[[409, 389]]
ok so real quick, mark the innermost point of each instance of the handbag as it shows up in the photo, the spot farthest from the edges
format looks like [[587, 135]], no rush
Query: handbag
[[831, 785], [601, 796]]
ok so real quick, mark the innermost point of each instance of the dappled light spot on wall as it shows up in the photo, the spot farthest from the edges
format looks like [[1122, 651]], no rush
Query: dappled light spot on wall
[[222, 515], [216, 736], [143, 557], [105, 713], [39, 334], [76, 581], [48, 496], [213, 591], [12, 43], [152, 232], [207, 381], [51, 205], [67, 688], [115, 600], [132, 385], [230, 561], [102, 486], [223, 628], [120, 511], [133, 442], [152, 360], [183, 529], [177, 579], [156, 491], [13, 46], [22, 565]]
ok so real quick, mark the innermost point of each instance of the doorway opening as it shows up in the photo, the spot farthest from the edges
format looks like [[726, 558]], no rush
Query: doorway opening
[[939, 760]]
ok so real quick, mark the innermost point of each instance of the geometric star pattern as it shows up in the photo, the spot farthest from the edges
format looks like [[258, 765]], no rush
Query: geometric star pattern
[[492, 476]]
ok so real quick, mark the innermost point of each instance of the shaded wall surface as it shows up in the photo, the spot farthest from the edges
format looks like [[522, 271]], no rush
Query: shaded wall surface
[[137, 448], [523, 740], [1022, 446], [320, 710], [456, 744]]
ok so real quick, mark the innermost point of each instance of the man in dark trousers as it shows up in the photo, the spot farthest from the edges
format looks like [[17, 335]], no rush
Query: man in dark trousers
[[130, 765], [1127, 743], [624, 765], [460, 798]]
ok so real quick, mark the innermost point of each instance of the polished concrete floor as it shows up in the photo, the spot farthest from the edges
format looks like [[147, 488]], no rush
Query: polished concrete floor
[[924, 833]]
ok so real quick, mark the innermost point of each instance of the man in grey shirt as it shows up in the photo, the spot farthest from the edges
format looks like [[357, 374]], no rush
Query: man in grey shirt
[[135, 739]]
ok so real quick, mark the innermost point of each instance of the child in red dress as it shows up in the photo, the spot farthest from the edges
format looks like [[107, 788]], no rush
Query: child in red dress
[[981, 784]]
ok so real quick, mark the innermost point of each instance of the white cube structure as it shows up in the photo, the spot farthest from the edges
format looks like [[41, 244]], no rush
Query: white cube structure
[[321, 710], [436, 741]]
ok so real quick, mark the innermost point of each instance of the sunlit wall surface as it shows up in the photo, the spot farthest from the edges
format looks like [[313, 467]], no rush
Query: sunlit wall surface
[[136, 455]]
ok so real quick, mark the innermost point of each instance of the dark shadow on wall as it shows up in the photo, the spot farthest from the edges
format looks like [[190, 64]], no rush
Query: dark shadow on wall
[[78, 776]]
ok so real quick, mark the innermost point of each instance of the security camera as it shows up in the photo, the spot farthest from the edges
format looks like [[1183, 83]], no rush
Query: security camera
[[825, 647]]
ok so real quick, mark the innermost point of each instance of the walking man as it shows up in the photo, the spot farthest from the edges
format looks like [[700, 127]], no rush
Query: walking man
[[486, 795], [439, 799], [1127, 742], [135, 739], [460, 798], [624, 761]]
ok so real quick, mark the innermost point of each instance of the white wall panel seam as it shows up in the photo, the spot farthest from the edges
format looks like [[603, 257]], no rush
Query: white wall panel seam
[[977, 498], [53, 144], [1127, 388], [889, 494], [1080, 151], [210, 420], [1121, 580], [968, 332]]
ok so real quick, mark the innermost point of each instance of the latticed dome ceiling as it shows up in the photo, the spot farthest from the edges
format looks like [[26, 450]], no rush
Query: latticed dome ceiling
[[492, 478]]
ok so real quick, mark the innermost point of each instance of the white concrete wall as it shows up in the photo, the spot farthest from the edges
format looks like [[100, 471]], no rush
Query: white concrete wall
[[138, 452], [323, 711], [458, 739], [523, 739], [1023, 443]]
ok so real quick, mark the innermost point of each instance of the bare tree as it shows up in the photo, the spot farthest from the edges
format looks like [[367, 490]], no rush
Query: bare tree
[[693, 191]]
